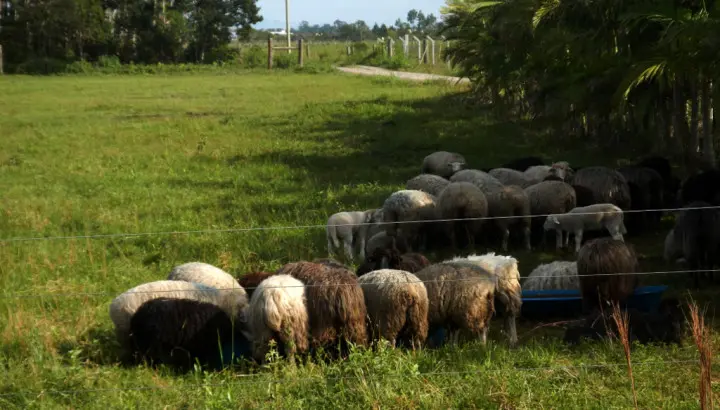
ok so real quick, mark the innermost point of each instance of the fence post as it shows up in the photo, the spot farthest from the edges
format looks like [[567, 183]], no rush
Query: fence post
[[432, 49], [419, 43], [1, 60], [391, 47], [300, 52], [307, 49], [425, 50], [270, 53]]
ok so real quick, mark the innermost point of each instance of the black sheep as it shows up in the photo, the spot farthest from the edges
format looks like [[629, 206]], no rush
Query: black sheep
[[179, 332], [671, 182], [606, 270], [704, 186], [647, 192], [389, 258], [697, 235]]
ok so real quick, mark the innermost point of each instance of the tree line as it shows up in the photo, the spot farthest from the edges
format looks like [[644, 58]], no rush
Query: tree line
[[640, 73]]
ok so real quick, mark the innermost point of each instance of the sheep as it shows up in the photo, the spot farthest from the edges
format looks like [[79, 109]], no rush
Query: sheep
[[672, 250], [509, 291], [560, 170], [382, 240], [331, 263], [397, 304], [647, 192], [408, 206], [461, 200], [443, 163], [696, 236], [278, 312], [124, 306], [250, 281], [606, 271], [587, 218], [510, 201], [509, 176], [662, 166], [177, 332], [704, 187], [461, 298], [481, 179], [521, 164], [390, 258], [349, 229], [432, 184], [605, 186], [209, 275], [335, 303], [560, 275], [549, 197]]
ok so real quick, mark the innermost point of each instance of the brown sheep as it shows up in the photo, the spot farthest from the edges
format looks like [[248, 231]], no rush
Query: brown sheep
[[606, 270], [250, 281], [385, 258]]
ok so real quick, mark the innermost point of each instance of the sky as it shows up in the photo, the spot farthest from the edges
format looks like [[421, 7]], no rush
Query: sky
[[327, 11]]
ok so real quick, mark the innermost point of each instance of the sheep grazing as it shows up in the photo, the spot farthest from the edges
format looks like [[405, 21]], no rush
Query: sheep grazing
[[443, 163], [250, 281], [177, 332], [696, 237], [382, 240], [432, 184], [331, 263], [349, 229], [124, 306], [557, 275], [586, 218], [509, 176], [549, 197], [606, 270], [397, 304], [461, 200], [389, 258], [409, 206], [335, 303], [209, 275], [505, 203], [521, 164], [480, 179], [604, 185], [277, 312], [509, 291], [461, 298], [647, 191], [704, 187], [559, 170]]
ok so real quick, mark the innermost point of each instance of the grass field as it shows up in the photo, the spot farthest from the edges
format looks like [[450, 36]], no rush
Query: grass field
[[148, 154]]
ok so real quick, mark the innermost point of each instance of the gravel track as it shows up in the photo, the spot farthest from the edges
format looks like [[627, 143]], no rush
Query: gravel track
[[368, 70]]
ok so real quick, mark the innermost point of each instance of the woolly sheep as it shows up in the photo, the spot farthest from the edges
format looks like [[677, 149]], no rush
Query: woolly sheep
[[510, 201], [250, 281], [587, 218], [671, 183], [335, 303], [509, 291], [606, 272], [509, 176], [349, 229], [647, 191], [405, 206], [604, 186], [124, 306], [390, 258], [560, 275], [432, 184], [177, 332], [210, 275], [560, 170], [696, 236], [461, 298], [704, 187], [521, 164], [549, 197], [382, 241], [278, 312], [443, 163], [397, 304], [481, 179], [462, 200]]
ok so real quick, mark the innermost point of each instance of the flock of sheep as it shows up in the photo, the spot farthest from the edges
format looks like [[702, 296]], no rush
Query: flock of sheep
[[202, 313]]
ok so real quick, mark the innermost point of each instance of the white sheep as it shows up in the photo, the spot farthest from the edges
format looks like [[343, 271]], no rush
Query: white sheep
[[555, 275], [587, 218], [278, 311], [209, 275], [509, 291], [406, 206], [432, 184], [511, 177], [538, 173], [350, 230], [443, 163], [481, 179], [124, 306]]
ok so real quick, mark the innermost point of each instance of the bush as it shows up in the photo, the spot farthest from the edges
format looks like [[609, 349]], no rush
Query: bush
[[41, 65], [253, 57], [79, 67]]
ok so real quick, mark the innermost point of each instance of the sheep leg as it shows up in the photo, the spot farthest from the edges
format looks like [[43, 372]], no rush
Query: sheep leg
[[483, 336], [511, 328], [361, 252], [348, 250], [330, 248], [578, 240], [567, 239], [558, 238], [526, 233], [505, 238]]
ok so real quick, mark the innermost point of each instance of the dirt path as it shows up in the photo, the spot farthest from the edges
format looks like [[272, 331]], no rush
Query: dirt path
[[368, 70]]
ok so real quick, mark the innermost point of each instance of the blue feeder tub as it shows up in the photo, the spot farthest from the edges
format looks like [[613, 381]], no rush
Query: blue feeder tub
[[568, 303]]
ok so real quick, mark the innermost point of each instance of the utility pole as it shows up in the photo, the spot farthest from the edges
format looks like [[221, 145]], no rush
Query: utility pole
[[287, 25]]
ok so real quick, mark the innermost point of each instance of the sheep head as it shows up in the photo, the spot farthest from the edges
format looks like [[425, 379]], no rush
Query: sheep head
[[551, 222]]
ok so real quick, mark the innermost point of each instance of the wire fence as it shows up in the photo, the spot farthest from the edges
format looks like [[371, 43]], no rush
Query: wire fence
[[316, 226]]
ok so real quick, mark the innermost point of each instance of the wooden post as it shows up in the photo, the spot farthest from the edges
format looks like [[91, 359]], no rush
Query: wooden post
[[1, 60], [425, 50], [270, 53], [390, 47], [300, 52], [307, 50]]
